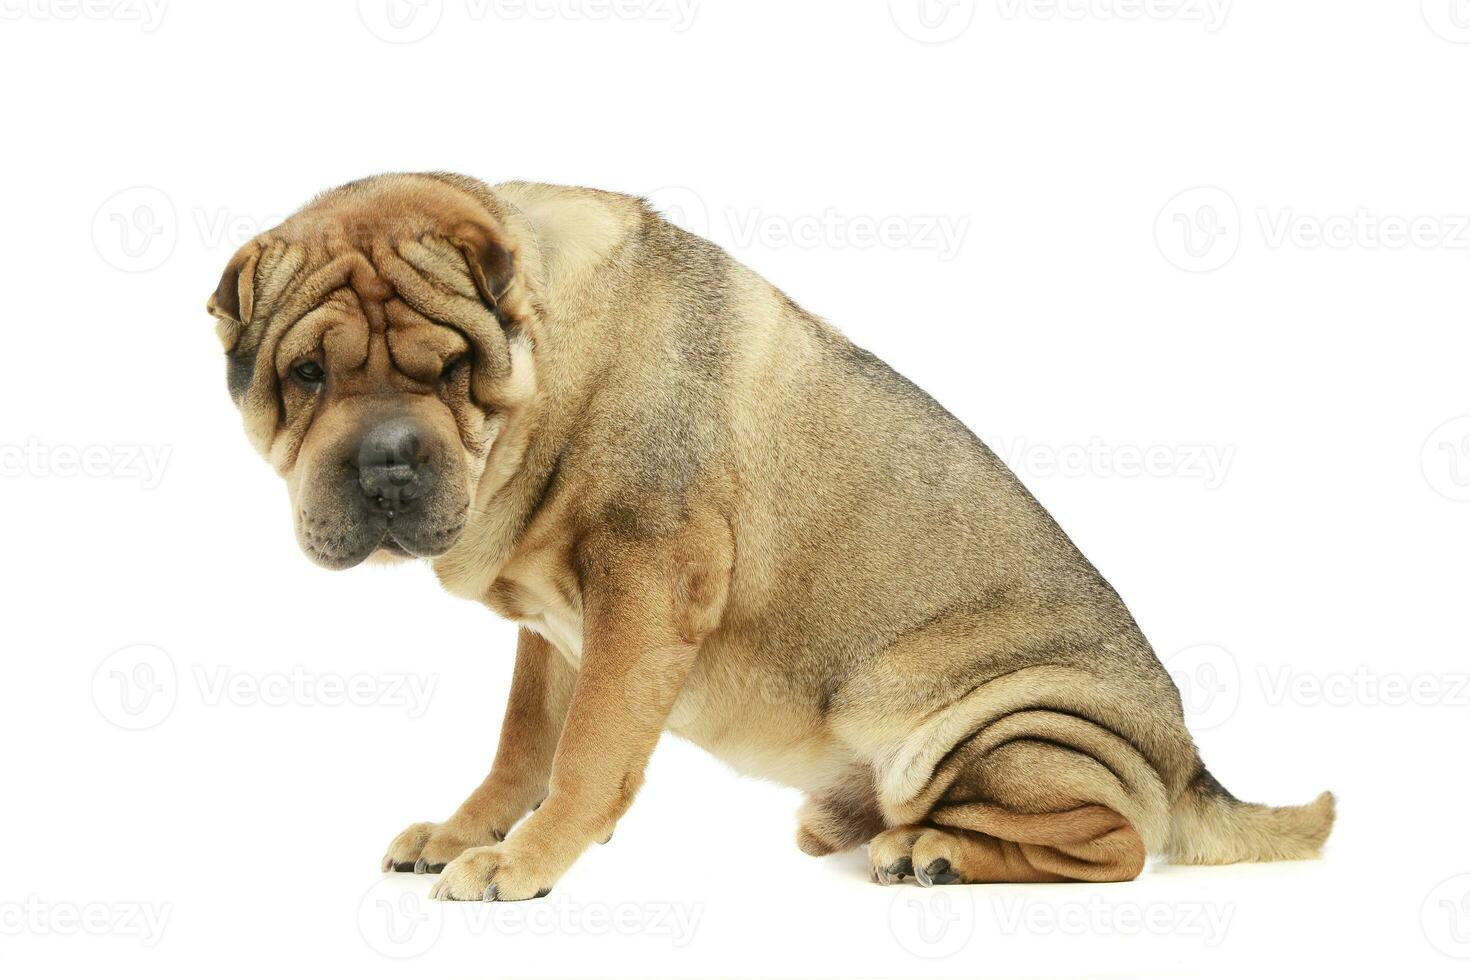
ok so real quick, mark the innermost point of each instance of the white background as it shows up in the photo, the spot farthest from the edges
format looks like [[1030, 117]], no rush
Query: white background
[[1247, 403]]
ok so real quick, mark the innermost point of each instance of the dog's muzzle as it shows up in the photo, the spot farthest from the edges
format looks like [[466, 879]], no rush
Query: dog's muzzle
[[396, 486]]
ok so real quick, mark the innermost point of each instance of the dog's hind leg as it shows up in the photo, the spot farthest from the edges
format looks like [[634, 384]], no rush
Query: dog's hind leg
[[839, 819], [1027, 795], [1090, 843], [969, 839]]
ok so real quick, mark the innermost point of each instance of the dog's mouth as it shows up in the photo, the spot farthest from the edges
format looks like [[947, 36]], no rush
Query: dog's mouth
[[390, 545], [400, 536], [410, 536]]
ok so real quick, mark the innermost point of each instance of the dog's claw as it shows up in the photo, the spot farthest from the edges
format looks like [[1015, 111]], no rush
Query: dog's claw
[[387, 863], [420, 866], [895, 872], [491, 892], [937, 873]]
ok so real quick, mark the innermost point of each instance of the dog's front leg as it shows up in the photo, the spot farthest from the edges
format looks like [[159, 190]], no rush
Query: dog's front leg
[[645, 609], [540, 690]]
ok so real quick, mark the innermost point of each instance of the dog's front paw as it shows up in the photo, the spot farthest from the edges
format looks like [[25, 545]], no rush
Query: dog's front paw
[[429, 847], [494, 874]]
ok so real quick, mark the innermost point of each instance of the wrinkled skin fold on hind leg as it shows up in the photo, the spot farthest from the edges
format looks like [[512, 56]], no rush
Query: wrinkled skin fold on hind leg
[[1088, 843], [1041, 775], [975, 843]]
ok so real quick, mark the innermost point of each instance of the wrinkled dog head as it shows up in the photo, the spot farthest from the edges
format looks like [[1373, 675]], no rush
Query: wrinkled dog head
[[374, 341]]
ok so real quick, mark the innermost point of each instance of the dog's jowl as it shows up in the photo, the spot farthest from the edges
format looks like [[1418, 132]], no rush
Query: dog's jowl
[[709, 512]]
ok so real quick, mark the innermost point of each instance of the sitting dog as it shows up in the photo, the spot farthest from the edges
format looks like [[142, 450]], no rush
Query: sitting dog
[[710, 513]]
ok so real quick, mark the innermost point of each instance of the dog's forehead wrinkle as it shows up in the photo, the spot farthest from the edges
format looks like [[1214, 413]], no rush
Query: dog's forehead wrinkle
[[440, 263], [346, 345], [364, 305]]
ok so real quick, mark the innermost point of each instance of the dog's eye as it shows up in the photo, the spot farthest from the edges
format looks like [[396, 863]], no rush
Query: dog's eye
[[309, 372]]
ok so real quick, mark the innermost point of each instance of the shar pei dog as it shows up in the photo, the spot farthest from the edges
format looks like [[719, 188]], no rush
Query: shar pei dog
[[711, 513]]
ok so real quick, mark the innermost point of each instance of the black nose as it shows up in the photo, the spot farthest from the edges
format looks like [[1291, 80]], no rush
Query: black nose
[[391, 465]]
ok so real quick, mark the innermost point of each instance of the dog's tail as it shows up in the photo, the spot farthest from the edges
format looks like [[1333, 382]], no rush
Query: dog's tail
[[1209, 826]]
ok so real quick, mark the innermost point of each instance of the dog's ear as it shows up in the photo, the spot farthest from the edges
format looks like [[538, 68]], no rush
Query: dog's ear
[[234, 298], [233, 303], [492, 264]]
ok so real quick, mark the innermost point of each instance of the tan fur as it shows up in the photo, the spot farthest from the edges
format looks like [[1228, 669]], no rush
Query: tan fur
[[1209, 828], [712, 514]]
